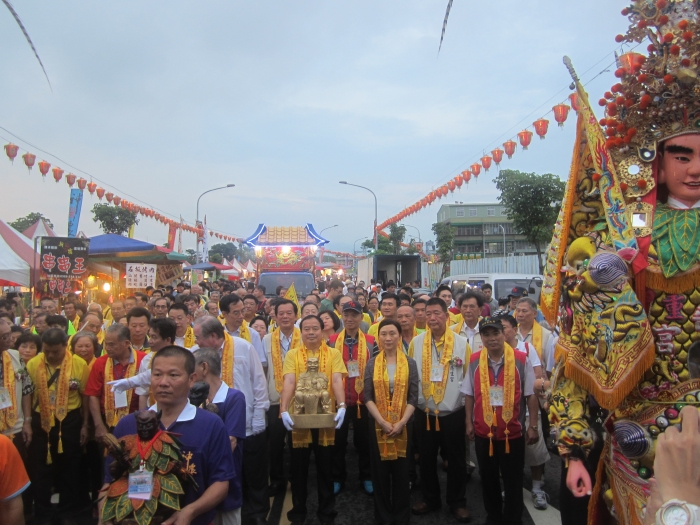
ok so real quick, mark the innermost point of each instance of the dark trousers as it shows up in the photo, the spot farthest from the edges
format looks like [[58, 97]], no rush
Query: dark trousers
[[574, 511], [256, 503], [511, 467], [392, 499], [91, 465], [63, 472], [359, 439], [324, 481], [28, 494], [276, 435], [450, 440]]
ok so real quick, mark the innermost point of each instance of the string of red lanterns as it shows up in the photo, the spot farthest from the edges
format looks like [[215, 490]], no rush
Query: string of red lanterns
[[541, 127], [11, 150]]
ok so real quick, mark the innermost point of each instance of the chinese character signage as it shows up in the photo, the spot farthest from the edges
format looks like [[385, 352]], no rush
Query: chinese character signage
[[140, 275], [64, 258]]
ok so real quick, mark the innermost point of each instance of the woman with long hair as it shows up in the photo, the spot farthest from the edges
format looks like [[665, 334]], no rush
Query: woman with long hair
[[391, 396]]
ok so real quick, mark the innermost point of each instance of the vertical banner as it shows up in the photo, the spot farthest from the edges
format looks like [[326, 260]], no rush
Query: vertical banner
[[179, 237], [172, 231], [76, 204], [131, 230], [205, 242]]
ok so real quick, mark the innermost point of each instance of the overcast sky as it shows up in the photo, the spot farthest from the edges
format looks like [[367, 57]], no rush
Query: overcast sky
[[163, 100]]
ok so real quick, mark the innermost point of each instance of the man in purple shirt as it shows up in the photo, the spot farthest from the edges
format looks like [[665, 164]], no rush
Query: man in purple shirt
[[230, 405], [205, 441]]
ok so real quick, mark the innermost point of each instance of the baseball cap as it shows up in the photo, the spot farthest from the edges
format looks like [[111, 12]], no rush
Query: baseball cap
[[352, 305], [518, 291], [490, 322]]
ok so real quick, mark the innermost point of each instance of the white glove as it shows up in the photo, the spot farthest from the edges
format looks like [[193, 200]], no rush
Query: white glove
[[287, 421], [258, 424], [120, 385], [339, 418]]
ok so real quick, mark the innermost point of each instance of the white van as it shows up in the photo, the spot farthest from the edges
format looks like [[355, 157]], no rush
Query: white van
[[502, 283]]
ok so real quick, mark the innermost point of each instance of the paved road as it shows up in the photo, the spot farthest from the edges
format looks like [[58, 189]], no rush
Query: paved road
[[355, 507]]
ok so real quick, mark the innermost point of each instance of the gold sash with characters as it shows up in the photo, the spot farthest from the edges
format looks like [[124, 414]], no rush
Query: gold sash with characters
[[436, 389], [227, 360], [277, 361], [391, 407], [8, 416], [508, 392], [59, 408], [189, 338]]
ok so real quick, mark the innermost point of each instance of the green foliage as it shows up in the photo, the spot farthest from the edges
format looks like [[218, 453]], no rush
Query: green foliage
[[113, 219], [191, 256], [384, 246], [411, 250], [25, 222], [532, 202], [396, 236], [444, 244], [221, 251]]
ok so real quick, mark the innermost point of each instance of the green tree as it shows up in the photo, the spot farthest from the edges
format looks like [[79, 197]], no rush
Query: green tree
[[412, 249], [384, 246], [396, 236], [25, 222], [191, 256], [532, 202], [444, 244], [223, 250], [113, 219]]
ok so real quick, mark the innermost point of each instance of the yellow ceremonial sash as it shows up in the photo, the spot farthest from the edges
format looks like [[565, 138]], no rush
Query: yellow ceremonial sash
[[361, 357], [277, 361], [244, 332], [326, 436], [59, 409], [508, 392], [390, 407], [113, 415], [227, 356], [537, 339], [189, 338], [435, 389], [8, 416]]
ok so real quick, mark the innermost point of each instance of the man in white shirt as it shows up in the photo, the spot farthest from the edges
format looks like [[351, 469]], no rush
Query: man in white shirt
[[249, 378], [184, 336], [232, 308], [470, 304], [277, 343]]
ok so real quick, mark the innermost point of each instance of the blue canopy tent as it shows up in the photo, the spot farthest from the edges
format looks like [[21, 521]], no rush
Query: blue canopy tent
[[116, 248]]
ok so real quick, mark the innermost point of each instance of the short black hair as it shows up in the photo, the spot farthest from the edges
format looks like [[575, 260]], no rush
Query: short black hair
[[336, 299], [404, 297], [334, 317], [442, 288], [138, 311], [57, 319], [436, 301], [165, 327], [258, 318], [261, 288], [54, 336], [387, 322], [388, 295], [179, 306], [419, 301], [508, 319], [227, 300], [282, 301], [471, 294], [191, 297], [486, 286], [336, 284], [317, 317], [176, 351], [252, 297], [28, 338]]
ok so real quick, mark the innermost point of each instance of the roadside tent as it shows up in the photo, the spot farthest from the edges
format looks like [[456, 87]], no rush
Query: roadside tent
[[13, 270], [111, 247], [39, 229], [21, 247]]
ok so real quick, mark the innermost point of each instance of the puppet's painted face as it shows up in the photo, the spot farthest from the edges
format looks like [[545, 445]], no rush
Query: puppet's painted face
[[146, 424], [679, 168]]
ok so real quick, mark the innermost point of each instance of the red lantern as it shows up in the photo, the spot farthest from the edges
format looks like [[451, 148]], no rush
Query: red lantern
[[561, 112], [125, 204], [486, 162], [525, 136], [541, 126], [44, 167], [109, 196], [451, 185], [573, 98], [11, 151], [458, 181], [82, 183], [70, 179], [100, 193], [466, 175], [509, 146], [91, 187], [424, 202], [476, 169], [497, 155], [117, 199], [57, 173], [29, 159]]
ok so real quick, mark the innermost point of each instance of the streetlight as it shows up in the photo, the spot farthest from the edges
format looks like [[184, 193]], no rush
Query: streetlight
[[376, 246], [504, 238], [202, 195], [327, 228], [414, 229], [354, 250]]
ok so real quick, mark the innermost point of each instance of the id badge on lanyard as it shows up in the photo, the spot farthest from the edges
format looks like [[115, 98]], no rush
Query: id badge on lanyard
[[496, 392], [141, 484], [353, 369], [5, 399], [437, 369]]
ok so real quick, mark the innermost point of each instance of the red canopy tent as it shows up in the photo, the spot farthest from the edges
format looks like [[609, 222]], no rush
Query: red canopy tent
[[39, 229], [21, 246]]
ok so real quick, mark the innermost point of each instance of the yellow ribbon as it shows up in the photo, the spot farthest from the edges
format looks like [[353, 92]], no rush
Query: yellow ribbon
[[508, 393], [59, 409], [277, 361], [8, 416], [391, 407], [113, 415], [227, 356], [436, 389]]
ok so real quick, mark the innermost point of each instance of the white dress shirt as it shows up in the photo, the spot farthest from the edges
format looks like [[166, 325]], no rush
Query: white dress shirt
[[548, 342], [254, 340], [285, 344]]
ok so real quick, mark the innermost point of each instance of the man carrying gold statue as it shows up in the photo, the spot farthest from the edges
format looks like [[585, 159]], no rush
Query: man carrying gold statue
[[623, 270]]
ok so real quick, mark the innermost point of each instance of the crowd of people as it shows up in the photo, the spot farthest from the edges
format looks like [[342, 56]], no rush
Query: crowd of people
[[419, 378]]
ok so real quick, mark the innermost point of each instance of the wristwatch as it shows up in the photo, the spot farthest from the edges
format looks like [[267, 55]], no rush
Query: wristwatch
[[677, 512], [342, 405]]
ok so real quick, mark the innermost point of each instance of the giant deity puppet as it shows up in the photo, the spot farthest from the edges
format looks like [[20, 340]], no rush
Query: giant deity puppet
[[622, 281]]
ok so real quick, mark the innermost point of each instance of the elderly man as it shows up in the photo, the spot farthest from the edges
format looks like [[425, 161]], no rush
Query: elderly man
[[230, 404], [241, 369], [48, 306], [160, 307], [120, 361], [470, 304], [233, 308], [203, 436], [407, 319]]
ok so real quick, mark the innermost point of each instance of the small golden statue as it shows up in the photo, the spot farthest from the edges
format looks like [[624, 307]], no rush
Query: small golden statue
[[312, 399]]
